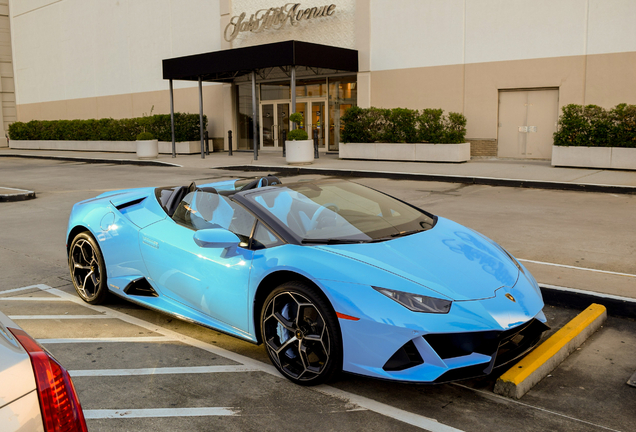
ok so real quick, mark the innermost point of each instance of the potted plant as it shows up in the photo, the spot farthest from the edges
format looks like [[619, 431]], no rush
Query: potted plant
[[299, 149], [147, 146]]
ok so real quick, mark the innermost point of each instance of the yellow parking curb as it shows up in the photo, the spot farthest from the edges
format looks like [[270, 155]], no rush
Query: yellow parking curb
[[520, 378]]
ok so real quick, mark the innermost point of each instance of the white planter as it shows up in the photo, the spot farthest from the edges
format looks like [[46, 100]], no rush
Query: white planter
[[420, 152], [594, 157], [298, 152], [147, 149], [165, 147]]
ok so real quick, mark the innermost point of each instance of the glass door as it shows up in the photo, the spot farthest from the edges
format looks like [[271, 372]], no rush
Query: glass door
[[282, 118], [268, 122], [301, 107], [314, 115], [274, 120], [318, 121]]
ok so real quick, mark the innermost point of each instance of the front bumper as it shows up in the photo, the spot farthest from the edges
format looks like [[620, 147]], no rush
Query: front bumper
[[393, 343]]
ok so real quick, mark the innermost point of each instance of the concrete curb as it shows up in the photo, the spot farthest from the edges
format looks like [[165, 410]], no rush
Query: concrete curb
[[571, 298], [524, 375], [95, 160], [490, 181], [15, 194]]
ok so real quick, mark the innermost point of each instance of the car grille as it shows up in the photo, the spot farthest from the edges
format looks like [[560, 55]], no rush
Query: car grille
[[502, 346]]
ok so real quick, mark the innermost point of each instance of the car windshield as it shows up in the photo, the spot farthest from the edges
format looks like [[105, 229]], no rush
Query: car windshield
[[334, 212]]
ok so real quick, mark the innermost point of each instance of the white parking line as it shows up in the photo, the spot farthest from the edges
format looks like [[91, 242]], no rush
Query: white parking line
[[161, 371], [501, 399], [58, 317], [107, 340], [39, 286], [32, 299], [577, 268], [160, 412], [417, 420]]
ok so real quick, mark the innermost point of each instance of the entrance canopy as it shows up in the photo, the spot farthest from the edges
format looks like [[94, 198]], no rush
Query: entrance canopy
[[268, 61], [289, 59]]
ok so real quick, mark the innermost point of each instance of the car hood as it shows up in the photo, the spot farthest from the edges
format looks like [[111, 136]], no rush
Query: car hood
[[450, 259]]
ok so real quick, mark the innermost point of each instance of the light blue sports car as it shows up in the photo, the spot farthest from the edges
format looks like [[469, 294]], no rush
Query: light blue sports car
[[329, 275]]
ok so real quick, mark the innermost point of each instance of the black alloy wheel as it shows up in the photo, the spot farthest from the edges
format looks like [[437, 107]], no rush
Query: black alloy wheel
[[88, 271], [301, 334]]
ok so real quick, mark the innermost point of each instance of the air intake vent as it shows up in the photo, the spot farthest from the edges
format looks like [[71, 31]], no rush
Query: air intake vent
[[130, 203], [140, 287], [404, 358]]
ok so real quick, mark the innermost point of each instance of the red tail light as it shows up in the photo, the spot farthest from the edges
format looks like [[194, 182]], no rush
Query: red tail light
[[61, 409]]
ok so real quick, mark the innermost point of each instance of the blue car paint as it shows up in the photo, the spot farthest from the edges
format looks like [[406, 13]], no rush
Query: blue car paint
[[449, 259], [216, 286], [211, 280]]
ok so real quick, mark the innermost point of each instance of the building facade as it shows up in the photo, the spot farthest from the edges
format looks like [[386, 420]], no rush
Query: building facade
[[507, 65]]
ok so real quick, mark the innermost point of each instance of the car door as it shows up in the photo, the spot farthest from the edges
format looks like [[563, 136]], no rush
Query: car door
[[211, 280]]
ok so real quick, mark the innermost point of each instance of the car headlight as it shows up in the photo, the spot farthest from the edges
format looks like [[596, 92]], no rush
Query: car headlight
[[417, 302]]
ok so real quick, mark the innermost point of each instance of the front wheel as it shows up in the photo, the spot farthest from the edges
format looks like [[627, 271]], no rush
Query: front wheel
[[88, 270], [301, 334]]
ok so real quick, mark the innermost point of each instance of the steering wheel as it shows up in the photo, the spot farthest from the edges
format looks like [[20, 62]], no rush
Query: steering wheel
[[320, 213]]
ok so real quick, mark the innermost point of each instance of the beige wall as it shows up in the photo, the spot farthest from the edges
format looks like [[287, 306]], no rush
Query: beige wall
[[417, 88], [473, 89], [8, 112]]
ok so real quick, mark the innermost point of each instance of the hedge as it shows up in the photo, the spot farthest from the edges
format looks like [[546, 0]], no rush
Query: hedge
[[186, 128], [594, 126], [402, 125]]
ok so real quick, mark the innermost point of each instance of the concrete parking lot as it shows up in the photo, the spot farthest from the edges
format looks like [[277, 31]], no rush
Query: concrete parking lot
[[136, 369]]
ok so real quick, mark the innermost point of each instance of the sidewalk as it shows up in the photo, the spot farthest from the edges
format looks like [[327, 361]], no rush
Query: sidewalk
[[516, 173]]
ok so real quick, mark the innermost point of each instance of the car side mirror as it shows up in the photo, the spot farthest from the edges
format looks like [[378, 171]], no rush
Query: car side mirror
[[215, 238]]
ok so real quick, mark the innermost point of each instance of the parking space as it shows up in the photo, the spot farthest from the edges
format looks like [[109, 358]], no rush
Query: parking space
[[138, 370], [126, 368], [137, 374]]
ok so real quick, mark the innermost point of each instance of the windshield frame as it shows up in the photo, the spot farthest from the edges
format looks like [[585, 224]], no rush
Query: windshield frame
[[293, 238]]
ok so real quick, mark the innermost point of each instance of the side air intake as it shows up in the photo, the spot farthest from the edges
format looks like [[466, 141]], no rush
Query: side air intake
[[140, 287]]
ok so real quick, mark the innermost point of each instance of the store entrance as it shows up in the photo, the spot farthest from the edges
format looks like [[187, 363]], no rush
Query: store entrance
[[314, 114], [275, 119]]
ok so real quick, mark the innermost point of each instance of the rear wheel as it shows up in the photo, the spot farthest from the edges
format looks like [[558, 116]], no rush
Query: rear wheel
[[301, 334], [88, 270]]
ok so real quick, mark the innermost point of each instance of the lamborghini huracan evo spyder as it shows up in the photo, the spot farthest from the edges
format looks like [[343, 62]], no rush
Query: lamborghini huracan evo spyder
[[329, 275]]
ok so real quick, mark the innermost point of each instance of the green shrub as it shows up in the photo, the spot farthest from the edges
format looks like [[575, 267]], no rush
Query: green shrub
[[297, 135], [430, 126], [357, 126], [454, 128], [186, 128], [296, 118], [145, 136], [625, 129], [402, 125], [594, 126]]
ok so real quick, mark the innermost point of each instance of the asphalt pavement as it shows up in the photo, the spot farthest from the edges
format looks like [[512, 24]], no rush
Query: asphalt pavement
[[512, 172], [132, 365]]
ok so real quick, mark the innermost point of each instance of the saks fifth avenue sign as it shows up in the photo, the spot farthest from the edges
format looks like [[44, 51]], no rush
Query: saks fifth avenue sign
[[274, 18]]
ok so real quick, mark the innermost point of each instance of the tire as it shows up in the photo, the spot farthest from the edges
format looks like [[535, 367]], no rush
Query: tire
[[87, 268], [301, 334]]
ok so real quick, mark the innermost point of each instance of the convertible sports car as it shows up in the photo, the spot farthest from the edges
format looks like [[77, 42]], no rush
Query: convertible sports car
[[329, 274]]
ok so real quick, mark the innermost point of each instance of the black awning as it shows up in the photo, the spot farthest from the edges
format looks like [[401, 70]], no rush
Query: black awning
[[226, 65]]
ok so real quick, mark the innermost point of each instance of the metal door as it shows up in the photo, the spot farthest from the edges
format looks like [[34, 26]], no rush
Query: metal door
[[527, 122]]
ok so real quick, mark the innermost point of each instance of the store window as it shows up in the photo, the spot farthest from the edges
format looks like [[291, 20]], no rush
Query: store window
[[245, 122], [343, 94]]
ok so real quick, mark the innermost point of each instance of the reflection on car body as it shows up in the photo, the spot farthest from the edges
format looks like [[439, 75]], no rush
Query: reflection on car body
[[329, 275]]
